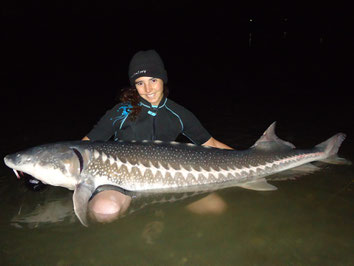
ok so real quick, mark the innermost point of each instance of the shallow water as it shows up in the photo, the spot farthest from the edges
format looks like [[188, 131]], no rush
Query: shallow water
[[307, 221]]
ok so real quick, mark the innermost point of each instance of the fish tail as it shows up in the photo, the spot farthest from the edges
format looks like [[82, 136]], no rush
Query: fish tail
[[330, 147]]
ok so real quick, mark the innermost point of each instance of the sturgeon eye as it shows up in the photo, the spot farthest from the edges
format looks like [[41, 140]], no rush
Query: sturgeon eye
[[81, 159]]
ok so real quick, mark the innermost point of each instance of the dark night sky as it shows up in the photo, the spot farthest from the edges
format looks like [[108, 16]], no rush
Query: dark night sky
[[68, 60]]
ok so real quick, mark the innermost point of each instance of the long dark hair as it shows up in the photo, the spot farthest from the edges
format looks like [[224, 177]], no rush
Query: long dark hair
[[131, 95]]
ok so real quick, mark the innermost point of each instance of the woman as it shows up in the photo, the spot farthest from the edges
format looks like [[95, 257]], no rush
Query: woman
[[145, 113]]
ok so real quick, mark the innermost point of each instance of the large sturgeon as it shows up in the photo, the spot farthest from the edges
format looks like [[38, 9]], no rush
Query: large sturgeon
[[155, 166]]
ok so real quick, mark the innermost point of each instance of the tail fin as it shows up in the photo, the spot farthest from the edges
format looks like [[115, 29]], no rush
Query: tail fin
[[331, 147]]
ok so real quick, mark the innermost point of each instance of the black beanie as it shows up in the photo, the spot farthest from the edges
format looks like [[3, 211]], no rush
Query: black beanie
[[146, 64]]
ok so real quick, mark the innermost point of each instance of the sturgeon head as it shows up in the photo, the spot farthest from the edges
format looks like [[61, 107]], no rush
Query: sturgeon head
[[53, 164], [58, 164]]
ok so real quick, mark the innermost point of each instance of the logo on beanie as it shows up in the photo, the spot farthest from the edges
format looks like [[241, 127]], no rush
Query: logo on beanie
[[138, 73]]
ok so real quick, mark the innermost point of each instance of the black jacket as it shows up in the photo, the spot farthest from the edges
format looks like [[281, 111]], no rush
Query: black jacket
[[164, 122]]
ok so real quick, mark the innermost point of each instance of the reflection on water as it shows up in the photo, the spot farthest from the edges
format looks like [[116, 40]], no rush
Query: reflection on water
[[55, 205], [50, 209], [307, 221]]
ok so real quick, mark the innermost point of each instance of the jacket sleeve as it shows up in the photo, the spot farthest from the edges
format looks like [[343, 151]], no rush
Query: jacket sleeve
[[104, 128], [193, 129]]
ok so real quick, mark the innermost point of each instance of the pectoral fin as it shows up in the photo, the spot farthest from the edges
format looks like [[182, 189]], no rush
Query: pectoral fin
[[259, 185], [81, 196]]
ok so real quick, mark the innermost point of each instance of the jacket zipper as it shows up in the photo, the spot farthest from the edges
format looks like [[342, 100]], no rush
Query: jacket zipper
[[153, 128], [154, 123]]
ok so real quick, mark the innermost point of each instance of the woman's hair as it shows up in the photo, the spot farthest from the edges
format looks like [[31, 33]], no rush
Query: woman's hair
[[131, 95]]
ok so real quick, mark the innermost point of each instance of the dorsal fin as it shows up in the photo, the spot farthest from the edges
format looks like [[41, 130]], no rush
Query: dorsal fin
[[270, 141]]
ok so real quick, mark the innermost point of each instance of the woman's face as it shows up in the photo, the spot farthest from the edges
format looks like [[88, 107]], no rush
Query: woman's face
[[150, 89]]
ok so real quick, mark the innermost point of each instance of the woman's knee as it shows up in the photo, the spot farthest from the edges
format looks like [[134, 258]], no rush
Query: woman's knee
[[108, 205]]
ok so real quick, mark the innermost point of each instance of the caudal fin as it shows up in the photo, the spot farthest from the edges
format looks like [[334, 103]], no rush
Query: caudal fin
[[331, 147]]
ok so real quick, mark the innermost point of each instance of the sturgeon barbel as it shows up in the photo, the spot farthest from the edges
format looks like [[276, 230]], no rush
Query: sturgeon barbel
[[155, 166]]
